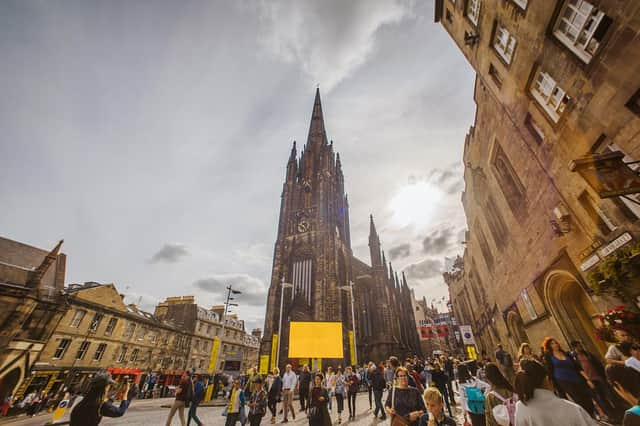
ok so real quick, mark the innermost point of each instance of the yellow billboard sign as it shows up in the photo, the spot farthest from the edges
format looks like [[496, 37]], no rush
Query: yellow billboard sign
[[315, 340]]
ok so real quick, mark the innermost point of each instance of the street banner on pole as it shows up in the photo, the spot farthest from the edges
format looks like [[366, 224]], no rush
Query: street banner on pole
[[214, 355], [264, 364], [352, 348], [274, 351]]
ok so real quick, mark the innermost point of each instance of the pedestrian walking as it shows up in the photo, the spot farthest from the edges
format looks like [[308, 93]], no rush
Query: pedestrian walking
[[93, 407], [441, 379], [501, 400], [472, 398], [184, 394], [234, 410], [199, 390], [339, 392], [539, 406], [404, 403], [567, 375], [371, 367], [317, 411], [353, 382], [594, 371], [449, 370], [505, 363], [389, 375], [378, 384], [289, 382], [303, 388], [525, 354], [330, 384], [257, 403], [273, 397]]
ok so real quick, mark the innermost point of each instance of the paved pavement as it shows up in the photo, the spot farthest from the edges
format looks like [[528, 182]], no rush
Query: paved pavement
[[151, 412]]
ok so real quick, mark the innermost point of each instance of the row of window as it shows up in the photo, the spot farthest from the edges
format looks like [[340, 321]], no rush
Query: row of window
[[64, 344]]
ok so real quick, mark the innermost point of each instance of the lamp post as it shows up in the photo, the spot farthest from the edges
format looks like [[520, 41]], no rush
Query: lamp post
[[230, 291], [283, 285], [349, 288]]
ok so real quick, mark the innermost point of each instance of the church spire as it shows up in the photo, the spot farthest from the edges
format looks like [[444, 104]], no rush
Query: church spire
[[317, 135], [374, 244], [292, 165]]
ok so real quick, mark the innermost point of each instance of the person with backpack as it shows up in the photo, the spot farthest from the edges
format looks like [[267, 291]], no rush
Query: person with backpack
[[378, 384], [339, 391], [539, 406], [352, 390], [472, 398], [500, 403], [199, 389]]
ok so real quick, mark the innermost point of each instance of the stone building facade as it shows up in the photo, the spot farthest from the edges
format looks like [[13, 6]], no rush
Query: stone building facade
[[313, 253], [237, 350], [100, 332], [31, 296], [557, 89]]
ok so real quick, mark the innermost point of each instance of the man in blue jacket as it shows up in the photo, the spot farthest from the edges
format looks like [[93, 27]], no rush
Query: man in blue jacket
[[199, 389]]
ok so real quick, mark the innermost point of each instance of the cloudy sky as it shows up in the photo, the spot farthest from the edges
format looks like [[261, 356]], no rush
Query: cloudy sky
[[153, 136]]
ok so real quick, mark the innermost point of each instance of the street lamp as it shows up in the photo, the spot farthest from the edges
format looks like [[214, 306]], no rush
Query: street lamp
[[283, 285], [224, 316], [349, 288]]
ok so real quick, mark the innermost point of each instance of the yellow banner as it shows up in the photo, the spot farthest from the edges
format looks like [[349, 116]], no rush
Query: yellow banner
[[352, 348], [471, 352], [264, 364], [316, 364], [214, 355], [274, 350]]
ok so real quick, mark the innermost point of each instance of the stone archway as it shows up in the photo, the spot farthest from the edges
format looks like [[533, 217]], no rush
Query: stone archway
[[516, 327], [572, 309]]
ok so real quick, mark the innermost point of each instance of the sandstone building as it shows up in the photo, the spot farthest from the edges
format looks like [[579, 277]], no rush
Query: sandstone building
[[100, 332], [557, 93], [313, 253], [31, 296]]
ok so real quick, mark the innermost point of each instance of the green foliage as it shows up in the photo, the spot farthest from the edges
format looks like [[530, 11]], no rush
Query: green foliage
[[617, 272]]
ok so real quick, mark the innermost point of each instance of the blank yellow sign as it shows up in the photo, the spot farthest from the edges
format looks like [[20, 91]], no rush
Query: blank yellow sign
[[315, 340]]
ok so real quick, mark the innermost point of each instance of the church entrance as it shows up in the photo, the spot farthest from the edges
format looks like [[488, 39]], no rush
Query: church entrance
[[572, 309]]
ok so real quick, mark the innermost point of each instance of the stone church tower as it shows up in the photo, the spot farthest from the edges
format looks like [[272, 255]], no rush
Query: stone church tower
[[313, 252]]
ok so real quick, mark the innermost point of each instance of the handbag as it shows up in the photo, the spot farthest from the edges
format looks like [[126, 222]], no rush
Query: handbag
[[242, 416], [396, 420]]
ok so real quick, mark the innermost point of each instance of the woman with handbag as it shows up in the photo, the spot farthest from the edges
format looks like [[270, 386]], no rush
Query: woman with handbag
[[317, 411], [235, 406], [404, 404]]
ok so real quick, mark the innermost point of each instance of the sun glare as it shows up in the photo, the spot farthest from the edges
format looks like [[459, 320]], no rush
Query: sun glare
[[415, 204]]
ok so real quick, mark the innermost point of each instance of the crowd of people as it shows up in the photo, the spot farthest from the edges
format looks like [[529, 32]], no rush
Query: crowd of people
[[552, 387]]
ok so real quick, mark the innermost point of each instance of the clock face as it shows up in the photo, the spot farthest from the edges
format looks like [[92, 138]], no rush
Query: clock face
[[303, 226]]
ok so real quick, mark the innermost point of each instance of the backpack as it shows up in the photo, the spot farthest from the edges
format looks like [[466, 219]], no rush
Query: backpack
[[504, 414], [475, 399]]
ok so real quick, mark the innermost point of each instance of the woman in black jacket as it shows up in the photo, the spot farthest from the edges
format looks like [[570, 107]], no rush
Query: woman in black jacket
[[274, 394]]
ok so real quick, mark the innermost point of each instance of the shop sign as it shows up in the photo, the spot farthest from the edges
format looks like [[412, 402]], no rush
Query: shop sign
[[590, 262], [615, 245], [467, 335]]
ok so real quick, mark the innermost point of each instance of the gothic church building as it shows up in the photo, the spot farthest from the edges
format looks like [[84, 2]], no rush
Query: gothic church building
[[313, 252]]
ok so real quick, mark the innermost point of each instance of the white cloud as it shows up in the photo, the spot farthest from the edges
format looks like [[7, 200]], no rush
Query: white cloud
[[328, 39], [254, 290]]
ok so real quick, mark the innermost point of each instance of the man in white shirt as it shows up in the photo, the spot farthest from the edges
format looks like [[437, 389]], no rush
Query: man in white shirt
[[289, 382], [614, 354]]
